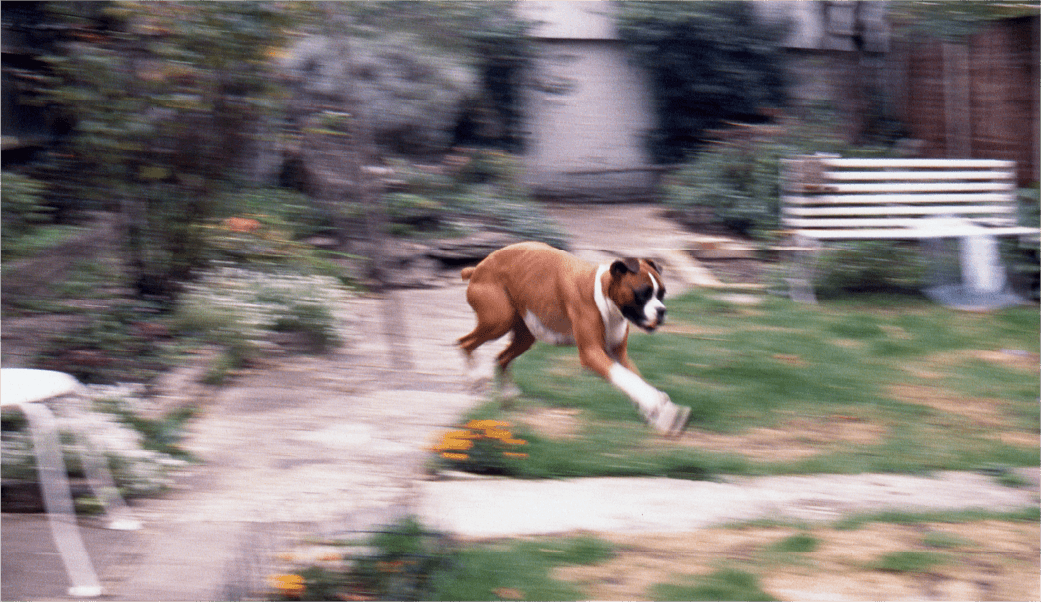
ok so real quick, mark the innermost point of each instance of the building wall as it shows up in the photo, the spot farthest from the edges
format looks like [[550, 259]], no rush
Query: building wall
[[588, 115], [588, 108]]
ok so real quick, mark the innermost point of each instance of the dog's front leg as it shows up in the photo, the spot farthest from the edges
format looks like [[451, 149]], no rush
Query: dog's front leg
[[653, 405]]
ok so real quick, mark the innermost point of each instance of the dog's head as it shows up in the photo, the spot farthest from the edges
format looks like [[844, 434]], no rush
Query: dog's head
[[638, 290]]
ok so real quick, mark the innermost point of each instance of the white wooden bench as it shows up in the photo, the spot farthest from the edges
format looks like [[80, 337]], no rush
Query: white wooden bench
[[829, 198]]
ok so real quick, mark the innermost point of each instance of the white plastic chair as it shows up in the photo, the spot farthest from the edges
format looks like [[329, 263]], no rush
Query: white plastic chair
[[24, 389]]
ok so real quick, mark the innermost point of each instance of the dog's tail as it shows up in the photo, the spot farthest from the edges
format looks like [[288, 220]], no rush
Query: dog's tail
[[467, 272]]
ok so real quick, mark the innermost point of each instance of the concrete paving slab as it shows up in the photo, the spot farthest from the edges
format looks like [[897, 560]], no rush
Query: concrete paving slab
[[496, 507]]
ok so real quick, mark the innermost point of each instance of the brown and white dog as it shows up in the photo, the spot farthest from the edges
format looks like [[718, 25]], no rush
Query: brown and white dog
[[541, 293]]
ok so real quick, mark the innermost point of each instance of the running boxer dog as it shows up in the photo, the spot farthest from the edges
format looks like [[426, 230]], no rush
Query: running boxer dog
[[541, 293]]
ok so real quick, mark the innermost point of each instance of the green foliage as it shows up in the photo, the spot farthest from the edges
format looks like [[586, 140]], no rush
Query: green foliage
[[910, 561], [297, 215], [709, 63], [729, 186], [124, 343], [240, 309], [483, 447], [800, 543], [406, 561], [943, 540], [22, 207], [872, 266], [471, 189], [160, 97], [733, 184], [519, 570], [724, 584]]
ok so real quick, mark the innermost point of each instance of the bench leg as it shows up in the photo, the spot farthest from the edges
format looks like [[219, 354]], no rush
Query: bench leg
[[803, 269]]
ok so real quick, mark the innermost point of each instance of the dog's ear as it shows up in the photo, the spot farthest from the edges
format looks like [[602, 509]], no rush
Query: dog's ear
[[621, 267], [654, 264]]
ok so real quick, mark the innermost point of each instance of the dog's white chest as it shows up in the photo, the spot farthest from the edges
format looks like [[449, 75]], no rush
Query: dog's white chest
[[615, 326]]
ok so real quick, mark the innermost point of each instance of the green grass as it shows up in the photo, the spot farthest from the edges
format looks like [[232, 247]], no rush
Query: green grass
[[859, 521], [911, 561], [942, 540], [800, 543], [872, 359], [724, 584], [518, 569]]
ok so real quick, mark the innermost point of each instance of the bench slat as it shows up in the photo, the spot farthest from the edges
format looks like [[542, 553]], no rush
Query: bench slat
[[902, 199], [906, 233], [904, 187], [875, 176], [914, 163], [902, 210]]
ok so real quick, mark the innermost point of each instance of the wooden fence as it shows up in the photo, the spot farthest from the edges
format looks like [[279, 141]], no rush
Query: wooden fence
[[974, 100]]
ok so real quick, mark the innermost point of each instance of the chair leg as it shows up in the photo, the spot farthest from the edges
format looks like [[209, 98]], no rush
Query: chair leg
[[57, 499], [104, 486]]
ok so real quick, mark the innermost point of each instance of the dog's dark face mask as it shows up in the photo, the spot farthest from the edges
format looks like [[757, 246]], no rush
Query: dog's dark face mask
[[639, 282]]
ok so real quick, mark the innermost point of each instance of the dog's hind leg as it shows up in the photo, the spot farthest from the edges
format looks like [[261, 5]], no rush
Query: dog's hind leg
[[495, 317], [522, 341]]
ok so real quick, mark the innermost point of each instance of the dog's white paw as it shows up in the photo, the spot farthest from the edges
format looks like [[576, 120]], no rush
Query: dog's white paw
[[509, 390]]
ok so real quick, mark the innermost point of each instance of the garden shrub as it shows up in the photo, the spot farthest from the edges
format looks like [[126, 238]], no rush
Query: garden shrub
[[471, 189], [872, 266], [729, 187], [122, 343], [708, 63], [239, 309], [22, 205], [140, 457], [482, 447]]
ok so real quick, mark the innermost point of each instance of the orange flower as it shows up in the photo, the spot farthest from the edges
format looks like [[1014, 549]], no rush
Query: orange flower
[[454, 456], [514, 455], [453, 443], [486, 424], [241, 224], [496, 433], [290, 586]]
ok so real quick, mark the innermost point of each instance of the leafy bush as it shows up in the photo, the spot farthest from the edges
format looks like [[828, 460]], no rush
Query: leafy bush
[[709, 62], [162, 102], [123, 343], [730, 187], [23, 204], [23, 208], [471, 188], [240, 309], [140, 455], [399, 562], [482, 447], [872, 266], [734, 183], [298, 215]]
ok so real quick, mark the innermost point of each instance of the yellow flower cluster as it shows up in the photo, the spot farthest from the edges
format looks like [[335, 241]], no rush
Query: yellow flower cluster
[[289, 586], [454, 445]]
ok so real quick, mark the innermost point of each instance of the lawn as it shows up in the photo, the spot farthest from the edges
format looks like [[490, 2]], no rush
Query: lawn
[[944, 556], [869, 383]]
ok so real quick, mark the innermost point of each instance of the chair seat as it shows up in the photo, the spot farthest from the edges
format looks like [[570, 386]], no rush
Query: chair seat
[[25, 385]]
